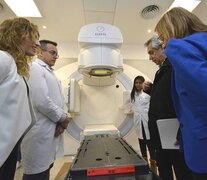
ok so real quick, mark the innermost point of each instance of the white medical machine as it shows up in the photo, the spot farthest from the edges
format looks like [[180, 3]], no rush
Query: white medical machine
[[97, 86]]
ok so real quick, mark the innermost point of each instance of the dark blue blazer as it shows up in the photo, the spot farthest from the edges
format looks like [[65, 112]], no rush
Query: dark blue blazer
[[188, 57]]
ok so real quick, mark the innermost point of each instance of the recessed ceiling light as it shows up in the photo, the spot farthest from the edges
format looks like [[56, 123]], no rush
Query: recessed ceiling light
[[190, 5], [44, 27], [24, 8], [149, 30]]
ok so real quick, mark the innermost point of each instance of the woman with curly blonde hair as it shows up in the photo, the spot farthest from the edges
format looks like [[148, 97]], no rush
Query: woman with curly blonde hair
[[18, 43]]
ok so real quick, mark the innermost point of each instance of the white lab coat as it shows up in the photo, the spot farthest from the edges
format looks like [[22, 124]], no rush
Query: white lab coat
[[141, 108], [40, 147], [16, 114]]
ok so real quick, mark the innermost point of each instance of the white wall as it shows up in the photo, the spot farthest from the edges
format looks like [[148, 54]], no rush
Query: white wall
[[147, 67]]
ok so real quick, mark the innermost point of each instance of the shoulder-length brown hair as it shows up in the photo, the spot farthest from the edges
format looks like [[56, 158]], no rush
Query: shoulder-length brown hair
[[178, 23], [12, 32]]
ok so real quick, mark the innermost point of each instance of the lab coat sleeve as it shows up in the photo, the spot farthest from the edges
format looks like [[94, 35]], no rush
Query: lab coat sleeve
[[40, 96], [188, 57], [5, 66], [147, 100]]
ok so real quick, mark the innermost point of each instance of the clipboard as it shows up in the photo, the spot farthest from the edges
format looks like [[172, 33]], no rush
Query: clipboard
[[168, 129]]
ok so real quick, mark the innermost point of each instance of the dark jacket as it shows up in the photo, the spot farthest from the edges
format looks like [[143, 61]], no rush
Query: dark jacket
[[161, 104]]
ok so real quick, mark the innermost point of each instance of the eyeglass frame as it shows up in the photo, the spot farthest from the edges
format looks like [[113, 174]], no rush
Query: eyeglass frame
[[53, 53]]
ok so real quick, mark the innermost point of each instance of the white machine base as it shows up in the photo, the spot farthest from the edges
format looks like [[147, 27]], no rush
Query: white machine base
[[94, 129]]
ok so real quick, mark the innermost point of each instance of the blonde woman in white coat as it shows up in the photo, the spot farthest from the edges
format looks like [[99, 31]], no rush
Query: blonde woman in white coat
[[18, 43], [140, 101]]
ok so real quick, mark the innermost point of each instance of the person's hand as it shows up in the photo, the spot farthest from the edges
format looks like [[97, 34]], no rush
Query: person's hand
[[146, 85], [65, 123], [58, 130]]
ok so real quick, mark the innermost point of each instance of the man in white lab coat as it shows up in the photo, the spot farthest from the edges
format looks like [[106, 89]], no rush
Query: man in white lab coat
[[44, 141]]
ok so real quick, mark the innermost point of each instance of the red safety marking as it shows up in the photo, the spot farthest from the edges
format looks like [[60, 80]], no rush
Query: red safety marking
[[110, 170]]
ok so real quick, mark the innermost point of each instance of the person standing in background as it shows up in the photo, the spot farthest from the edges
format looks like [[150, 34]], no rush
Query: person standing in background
[[161, 107], [18, 43], [140, 101], [44, 142], [185, 38]]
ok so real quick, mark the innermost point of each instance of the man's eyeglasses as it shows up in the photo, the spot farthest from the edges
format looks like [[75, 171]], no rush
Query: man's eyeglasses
[[53, 53]]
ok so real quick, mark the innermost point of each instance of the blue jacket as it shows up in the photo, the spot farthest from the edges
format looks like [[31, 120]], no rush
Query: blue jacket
[[188, 57]]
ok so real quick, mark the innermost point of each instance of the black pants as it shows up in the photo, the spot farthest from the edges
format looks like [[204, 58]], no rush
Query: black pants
[[7, 170], [144, 144], [166, 159], [40, 176], [45, 175], [19, 156]]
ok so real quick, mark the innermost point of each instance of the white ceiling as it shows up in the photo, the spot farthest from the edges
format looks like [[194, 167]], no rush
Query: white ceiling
[[64, 18]]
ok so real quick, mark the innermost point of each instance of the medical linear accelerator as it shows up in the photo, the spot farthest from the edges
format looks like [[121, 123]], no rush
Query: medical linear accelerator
[[97, 88]]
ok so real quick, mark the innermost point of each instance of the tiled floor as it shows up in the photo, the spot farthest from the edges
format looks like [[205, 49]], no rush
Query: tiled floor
[[54, 171]]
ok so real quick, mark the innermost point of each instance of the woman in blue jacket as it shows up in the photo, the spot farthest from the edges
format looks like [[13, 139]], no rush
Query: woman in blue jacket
[[185, 38]]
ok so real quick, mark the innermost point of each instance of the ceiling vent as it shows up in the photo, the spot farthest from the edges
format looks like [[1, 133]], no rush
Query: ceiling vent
[[150, 11]]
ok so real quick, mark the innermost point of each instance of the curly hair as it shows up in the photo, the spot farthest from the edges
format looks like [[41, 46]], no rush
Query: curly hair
[[12, 32]]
